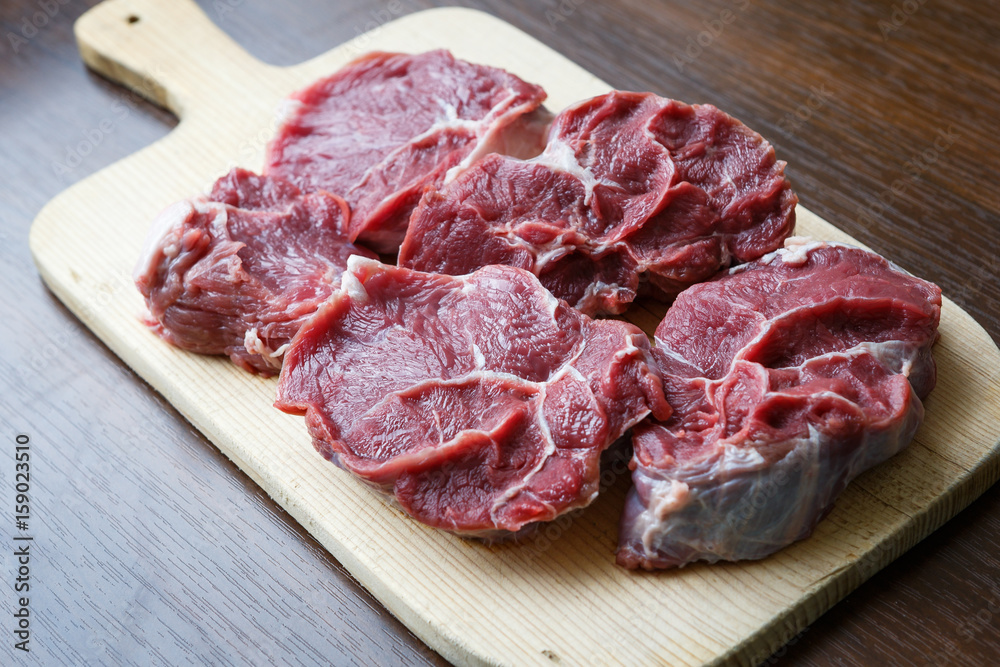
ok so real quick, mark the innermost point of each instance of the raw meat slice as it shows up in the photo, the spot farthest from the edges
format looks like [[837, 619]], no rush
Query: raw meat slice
[[238, 271], [481, 402], [387, 125], [788, 377], [632, 190]]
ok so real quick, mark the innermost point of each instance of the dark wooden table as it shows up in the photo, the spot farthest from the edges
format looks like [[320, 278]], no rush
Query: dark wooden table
[[150, 547]]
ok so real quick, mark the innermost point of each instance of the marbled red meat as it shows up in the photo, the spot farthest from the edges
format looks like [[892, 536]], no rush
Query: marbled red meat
[[632, 191], [481, 402], [788, 377], [387, 125], [237, 272]]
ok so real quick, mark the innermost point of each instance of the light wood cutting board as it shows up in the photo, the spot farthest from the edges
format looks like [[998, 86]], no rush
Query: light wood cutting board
[[559, 599]]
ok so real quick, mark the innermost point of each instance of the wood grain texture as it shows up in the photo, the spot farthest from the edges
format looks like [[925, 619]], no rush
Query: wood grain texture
[[935, 605], [568, 602]]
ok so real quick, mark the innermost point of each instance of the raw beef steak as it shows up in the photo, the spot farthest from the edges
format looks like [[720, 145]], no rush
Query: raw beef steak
[[387, 125], [788, 377], [630, 188], [481, 402], [238, 271]]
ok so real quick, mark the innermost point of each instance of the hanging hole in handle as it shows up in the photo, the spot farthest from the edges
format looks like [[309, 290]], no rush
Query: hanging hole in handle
[[132, 18]]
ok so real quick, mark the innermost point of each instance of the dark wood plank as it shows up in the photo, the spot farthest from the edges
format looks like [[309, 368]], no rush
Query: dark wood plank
[[151, 547]]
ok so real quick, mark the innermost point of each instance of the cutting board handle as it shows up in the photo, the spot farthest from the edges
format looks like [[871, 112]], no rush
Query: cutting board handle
[[168, 51]]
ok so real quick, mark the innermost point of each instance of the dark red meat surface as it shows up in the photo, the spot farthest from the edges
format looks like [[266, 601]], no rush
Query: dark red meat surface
[[480, 402], [238, 271], [632, 191], [387, 125], [788, 377]]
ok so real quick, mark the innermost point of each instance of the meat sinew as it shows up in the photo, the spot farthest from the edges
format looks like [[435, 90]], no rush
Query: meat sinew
[[480, 402], [632, 190], [788, 377], [238, 271], [387, 125]]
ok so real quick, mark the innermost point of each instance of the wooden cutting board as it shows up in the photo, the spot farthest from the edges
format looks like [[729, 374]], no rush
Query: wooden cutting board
[[559, 599]]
